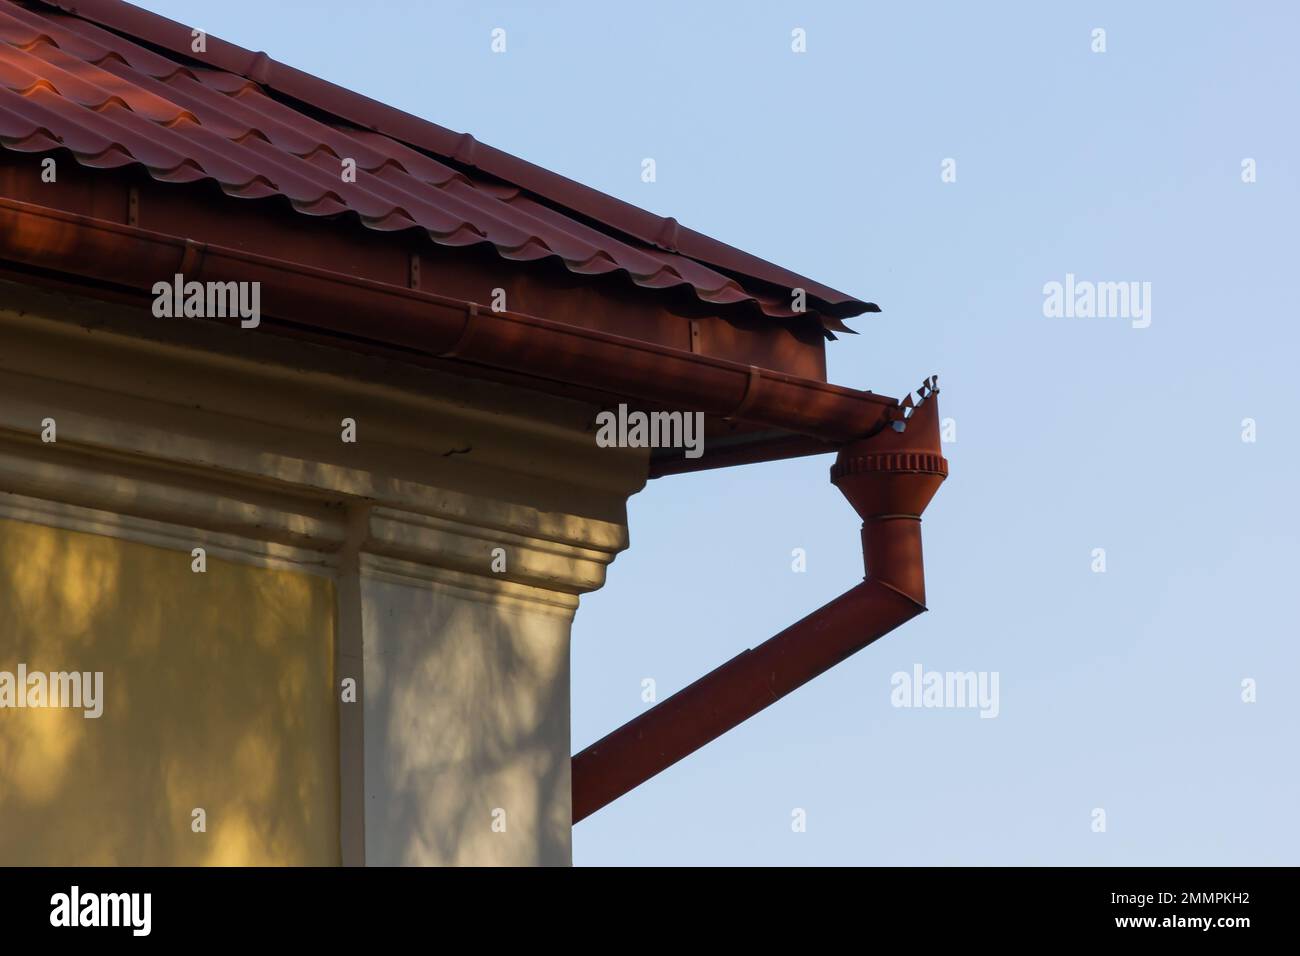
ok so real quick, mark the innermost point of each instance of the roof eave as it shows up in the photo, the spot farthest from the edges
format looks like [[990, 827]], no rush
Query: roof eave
[[799, 416]]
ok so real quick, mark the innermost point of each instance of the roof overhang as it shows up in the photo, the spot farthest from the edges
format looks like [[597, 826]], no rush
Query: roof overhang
[[752, 414]]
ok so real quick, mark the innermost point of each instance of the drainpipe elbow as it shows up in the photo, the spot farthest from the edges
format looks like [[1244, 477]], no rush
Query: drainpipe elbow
[[889, 478]]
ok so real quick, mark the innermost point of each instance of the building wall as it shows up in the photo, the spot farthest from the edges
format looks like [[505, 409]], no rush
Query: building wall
[[217, 694], [433, 566], [451, 777]]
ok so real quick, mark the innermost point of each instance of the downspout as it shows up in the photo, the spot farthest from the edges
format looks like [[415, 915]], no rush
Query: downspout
[[889, 479]]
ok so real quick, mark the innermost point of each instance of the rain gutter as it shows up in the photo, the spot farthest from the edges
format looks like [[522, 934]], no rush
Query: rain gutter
[[128, 258]]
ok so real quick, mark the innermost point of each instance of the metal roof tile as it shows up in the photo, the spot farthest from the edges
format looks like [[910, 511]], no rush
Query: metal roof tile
[[66, 81]]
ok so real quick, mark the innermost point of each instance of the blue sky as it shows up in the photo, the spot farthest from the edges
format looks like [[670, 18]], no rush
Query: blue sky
[[1118, 690]]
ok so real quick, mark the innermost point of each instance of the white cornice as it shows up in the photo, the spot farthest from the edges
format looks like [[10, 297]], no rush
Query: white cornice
[[238, 433]]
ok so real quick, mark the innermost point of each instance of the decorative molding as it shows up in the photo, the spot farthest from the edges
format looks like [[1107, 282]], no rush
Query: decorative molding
[[224, 429], [468, 547], [228, 547], [144, 490], [216, 398], [470, 587]]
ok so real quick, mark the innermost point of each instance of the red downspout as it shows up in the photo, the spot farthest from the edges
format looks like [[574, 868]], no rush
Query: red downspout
[[889, 479]]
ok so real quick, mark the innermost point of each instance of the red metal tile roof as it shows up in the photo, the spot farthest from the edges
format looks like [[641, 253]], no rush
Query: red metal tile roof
[[73, 75]]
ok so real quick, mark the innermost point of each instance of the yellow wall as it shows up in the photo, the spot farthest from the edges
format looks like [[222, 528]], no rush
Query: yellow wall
[[218, 693]]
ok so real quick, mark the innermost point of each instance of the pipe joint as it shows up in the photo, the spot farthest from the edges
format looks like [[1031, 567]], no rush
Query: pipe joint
[[897, 470]]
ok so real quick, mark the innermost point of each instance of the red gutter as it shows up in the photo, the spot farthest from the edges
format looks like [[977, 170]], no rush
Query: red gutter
[[889, 479], [130, 258]]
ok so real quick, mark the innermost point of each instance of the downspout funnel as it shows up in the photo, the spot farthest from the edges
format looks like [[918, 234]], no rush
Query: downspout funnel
[[888, 478]]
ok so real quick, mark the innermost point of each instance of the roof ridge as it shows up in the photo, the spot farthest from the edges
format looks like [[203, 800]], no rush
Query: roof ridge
[[656, 231]]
